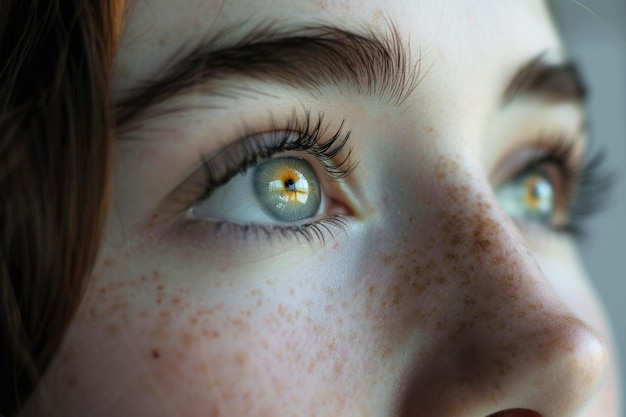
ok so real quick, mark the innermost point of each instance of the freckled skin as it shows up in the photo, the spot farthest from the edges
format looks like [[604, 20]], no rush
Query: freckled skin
[[432, 303]]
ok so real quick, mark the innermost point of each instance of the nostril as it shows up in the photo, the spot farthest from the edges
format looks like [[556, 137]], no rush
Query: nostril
[[516, 412]]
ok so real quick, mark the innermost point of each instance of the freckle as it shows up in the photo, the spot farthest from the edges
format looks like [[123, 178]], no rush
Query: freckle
[[144, 278], [441, 279], [111, 329], [187, 339], [317, 329], [161, 41], [156, 354], [456, 240], [371, 290], [143, 313], [386, 351], [203, 368], [386, 259], [175, 301], [451, 257], [338, 367], [259, 302], [240, 358], [159, 300], [291, 291], [215, 334], [484, 244], [193, 320]]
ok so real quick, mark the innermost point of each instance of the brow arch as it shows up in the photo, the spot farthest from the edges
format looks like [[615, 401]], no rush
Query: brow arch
[[372, 63]]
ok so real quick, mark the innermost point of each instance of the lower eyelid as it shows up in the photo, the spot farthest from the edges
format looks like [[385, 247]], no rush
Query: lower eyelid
[[220, 236]]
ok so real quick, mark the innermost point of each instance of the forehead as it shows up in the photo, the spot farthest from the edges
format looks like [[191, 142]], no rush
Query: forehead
[[480, 40]]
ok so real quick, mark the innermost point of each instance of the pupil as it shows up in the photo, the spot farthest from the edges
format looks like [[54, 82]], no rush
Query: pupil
[[290, 185]]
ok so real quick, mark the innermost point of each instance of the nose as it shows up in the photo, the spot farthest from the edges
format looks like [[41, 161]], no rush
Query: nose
[[500, 340]]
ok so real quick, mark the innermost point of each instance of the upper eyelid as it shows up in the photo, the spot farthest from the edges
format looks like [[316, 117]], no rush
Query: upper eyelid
[[310, 136]]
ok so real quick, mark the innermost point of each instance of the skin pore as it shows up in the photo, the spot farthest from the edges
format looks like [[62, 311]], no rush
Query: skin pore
[[429, 300]]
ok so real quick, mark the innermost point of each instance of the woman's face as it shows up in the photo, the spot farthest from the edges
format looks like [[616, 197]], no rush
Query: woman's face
[[425, 268]]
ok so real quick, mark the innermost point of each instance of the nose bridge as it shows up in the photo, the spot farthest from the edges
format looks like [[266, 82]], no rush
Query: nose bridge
[[507, 341]]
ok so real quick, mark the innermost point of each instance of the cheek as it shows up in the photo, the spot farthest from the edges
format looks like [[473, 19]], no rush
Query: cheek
[[142, 345]]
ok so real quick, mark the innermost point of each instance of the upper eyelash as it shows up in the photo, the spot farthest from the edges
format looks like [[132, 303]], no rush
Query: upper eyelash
[[309, 138], [594, 187]]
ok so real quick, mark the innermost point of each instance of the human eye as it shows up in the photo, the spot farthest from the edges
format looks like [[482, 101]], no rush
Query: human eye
[[282, 182], [556, 187]]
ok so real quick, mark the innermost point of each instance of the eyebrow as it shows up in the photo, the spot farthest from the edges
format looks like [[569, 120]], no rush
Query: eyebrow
[[374, 64], [556, 82]]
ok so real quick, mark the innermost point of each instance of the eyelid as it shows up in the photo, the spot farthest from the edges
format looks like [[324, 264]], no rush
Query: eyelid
[[560, 147], [580, 183], [304, 137]]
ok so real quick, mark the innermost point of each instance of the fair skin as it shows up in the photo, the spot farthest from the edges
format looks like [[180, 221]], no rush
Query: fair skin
[[434, 299]]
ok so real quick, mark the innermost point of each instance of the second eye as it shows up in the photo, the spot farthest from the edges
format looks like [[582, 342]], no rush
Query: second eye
[[529, 197]]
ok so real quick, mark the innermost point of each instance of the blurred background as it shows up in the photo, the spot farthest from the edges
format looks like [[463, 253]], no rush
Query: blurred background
[[595, 35]]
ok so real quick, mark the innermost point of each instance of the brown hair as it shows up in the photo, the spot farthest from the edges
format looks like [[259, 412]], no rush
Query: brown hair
[[55, 139]]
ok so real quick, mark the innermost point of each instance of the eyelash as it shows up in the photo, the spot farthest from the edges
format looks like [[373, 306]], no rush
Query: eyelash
[[302, 135], [587, 186]]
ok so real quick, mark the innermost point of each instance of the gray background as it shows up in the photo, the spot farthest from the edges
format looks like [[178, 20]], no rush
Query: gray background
[[596, 40]]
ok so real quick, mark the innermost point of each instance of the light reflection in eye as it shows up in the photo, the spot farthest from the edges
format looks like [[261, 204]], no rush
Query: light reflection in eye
[[287, 189]]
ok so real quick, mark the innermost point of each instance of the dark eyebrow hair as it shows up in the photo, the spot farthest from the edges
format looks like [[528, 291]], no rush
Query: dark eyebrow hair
[[375, 64], [556, 82]]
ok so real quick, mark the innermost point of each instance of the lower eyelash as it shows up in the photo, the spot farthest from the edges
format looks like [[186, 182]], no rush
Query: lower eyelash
[[314, 232]]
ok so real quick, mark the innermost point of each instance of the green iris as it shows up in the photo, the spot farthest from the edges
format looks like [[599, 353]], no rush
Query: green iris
[[287, 188], [529, 197]]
